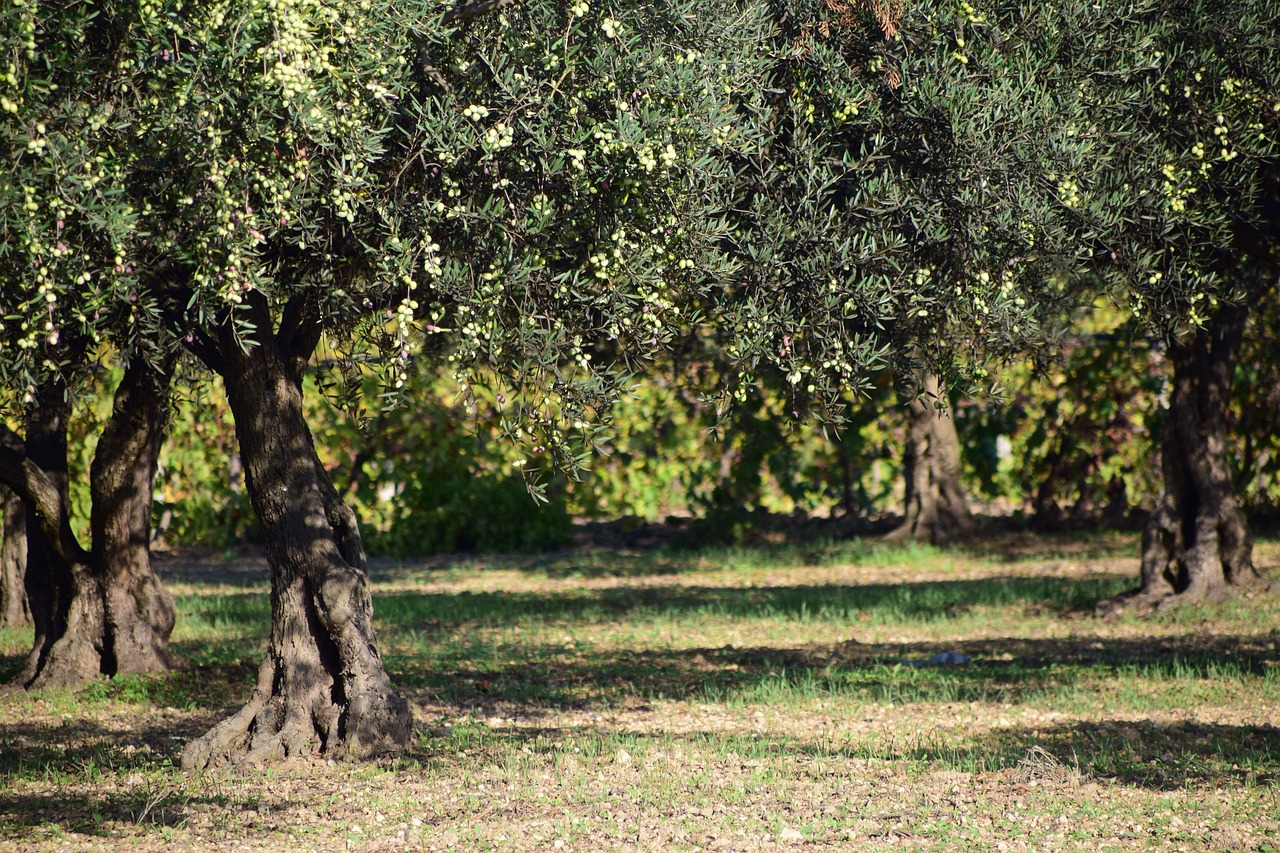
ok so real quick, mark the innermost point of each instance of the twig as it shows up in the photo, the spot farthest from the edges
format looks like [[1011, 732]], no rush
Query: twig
[[467, 11]]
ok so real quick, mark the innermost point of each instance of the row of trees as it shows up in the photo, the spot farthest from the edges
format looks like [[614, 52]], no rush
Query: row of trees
[[1073, 445], [549, 195]]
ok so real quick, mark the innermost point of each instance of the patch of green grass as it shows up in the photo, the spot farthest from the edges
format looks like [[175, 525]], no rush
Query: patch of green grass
[[878, 603]]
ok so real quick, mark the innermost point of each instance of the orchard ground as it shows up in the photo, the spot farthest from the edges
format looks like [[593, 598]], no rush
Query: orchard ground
[[738, 700]]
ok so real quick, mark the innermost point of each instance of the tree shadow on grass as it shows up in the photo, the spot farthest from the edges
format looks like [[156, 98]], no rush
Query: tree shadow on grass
[[1145, 754], [1162, 757], [546, 678], [1142, 754], [214, 687], [249, 570], [1156, 755], [10, 666], [104, 777], [431, 643], [845, 603], [24, 816]]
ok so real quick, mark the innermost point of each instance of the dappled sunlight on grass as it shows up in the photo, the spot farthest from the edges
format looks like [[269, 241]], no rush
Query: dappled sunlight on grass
[[703, 689]]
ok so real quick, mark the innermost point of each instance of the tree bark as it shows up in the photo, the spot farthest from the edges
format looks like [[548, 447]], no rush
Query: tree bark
[[1197, 545], [66, 606], [936, 509], [322, 687], [138, 611], [13, 561], [98, 612]]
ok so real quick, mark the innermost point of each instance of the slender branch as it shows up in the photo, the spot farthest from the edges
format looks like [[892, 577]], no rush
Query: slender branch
[[467, 11], [172, 282]]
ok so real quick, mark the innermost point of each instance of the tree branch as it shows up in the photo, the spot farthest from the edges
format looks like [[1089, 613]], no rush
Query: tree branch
[[474, 9], [204, 348], [300, 331], [30, 482]]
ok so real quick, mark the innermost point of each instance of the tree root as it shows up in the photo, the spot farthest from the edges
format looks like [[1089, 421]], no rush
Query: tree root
[[273, 726], [1145, 602]]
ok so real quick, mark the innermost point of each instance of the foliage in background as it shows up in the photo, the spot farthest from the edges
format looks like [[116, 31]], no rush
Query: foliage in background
[[1080, 430], [1255, 413], [436, 473], [200, 495], [1075, 442]]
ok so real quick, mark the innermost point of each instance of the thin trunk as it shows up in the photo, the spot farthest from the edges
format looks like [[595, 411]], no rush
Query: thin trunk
[[322, 687], [13, 561], [936, 509], [101, 612], [1196, 545]]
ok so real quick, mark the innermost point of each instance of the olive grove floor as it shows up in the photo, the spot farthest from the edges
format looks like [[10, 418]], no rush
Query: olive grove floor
[[740, 699]]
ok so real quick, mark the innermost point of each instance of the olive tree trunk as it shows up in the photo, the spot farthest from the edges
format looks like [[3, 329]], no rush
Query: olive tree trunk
[[66, 610], [13, 560], [98, 612], [1196, 545], [138, 611], [322, 688], [936, 509]]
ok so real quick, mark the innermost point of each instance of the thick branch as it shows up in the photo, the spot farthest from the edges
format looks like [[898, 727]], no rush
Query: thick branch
[[299, 332], [30, 482], [204, 348]]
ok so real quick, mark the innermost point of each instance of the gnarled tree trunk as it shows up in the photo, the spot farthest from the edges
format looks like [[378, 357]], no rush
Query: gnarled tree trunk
[[1196, 545], [98, 612], [936, 509], [13, 561], [66, 608], [322, 687], [138, 611]]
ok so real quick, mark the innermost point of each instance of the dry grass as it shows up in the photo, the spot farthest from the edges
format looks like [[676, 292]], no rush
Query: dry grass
[[738, 700]]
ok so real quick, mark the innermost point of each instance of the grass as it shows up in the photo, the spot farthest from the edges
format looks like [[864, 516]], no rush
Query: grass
[[735, 699]]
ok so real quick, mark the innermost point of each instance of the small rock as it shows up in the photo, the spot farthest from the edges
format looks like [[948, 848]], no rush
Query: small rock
[[623, 757], [789, 835]]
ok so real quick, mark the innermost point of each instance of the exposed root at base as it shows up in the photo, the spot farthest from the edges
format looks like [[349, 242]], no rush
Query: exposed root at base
[[271, 728], [1144, 602]]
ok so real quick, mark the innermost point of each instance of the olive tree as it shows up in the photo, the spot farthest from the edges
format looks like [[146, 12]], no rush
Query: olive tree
[[1184, 209], [69, 302], [936, 174], [906, 204], [530, 190]]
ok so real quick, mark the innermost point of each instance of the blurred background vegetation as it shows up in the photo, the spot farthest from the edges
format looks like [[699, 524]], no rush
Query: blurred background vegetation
[[1072, 445]]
